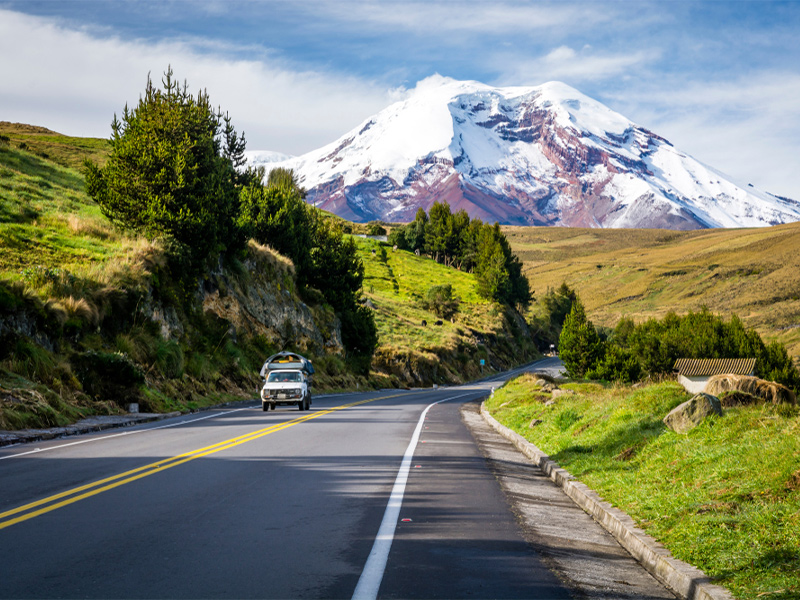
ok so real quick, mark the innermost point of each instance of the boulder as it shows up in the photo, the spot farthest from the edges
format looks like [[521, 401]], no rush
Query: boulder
[[685, 417], [557, 392]]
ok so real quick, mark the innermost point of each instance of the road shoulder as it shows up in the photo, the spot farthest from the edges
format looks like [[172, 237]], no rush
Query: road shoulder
[[583, 554]]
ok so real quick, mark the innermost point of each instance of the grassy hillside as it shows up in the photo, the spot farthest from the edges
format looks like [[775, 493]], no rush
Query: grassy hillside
[[63, 150], [48, 221], [77, 288], [395, 283], [646, 273], [725, 497]]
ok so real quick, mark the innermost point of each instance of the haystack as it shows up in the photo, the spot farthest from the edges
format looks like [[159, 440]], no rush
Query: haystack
[[768, 391]]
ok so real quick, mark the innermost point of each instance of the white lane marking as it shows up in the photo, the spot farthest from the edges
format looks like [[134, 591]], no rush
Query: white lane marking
[[108, 437], [372, 575]]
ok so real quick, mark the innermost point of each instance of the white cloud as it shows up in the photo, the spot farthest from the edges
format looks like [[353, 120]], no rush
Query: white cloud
[[571, 66], [73, 82], [478, 17]]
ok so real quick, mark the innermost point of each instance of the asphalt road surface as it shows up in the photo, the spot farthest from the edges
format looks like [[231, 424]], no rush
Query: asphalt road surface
[[392, 494]]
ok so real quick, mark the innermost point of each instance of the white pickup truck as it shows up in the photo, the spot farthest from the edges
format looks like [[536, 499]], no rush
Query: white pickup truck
[[287, 381]]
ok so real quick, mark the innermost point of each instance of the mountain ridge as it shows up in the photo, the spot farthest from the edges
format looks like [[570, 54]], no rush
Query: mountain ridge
[[544, 155]]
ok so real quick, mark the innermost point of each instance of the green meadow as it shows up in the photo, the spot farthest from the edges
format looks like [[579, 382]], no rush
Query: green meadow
[[725, 497]]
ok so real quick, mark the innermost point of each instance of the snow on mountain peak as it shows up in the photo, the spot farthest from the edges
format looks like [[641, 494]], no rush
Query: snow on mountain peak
[[522, 155]]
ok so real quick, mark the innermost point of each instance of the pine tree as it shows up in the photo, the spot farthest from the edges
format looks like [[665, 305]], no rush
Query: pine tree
[[172, 171], [579, 346]]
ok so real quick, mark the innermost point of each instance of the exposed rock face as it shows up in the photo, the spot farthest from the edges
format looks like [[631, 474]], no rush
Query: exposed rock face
[[685, 417], [545, 155], [259, 302], [262, 304]]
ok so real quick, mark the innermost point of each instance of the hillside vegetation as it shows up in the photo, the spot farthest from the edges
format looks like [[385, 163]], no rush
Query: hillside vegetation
[[647, 273], [396, 282], [725, 497], [80, 297]]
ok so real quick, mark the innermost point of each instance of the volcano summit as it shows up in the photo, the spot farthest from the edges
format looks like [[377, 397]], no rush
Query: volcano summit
[[545, 155]]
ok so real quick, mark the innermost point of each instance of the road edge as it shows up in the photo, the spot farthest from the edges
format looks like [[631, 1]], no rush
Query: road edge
[[682, 578], [87, 425]]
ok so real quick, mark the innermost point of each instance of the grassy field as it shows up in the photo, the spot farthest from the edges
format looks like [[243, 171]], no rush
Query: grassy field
[[646, 273], [725, 497]]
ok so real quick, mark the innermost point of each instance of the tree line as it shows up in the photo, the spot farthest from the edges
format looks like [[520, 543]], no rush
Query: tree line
[[633, 351], [175, 172], [469, 245]]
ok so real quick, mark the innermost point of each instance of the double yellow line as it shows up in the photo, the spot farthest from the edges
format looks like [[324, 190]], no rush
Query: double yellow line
[[45, 505]]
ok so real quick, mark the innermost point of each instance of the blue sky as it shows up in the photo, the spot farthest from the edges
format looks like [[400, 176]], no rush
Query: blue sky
[[720, 80]]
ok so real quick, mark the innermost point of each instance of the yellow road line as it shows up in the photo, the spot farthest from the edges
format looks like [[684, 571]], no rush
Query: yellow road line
[[109, 483]]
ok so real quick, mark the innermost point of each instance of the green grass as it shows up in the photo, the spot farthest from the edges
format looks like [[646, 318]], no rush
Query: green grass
[[47, 220], [395, 282], [396, 285], [725, 497], [60, 149]]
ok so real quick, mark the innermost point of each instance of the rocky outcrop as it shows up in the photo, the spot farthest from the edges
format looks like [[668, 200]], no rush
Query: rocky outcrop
[[685, 417], [262, 301]]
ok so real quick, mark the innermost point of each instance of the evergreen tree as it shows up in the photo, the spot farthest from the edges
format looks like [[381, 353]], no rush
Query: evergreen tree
[[579, 346], [439, 240], [415, 232], [172, 171], [276, 215], [490, 268]]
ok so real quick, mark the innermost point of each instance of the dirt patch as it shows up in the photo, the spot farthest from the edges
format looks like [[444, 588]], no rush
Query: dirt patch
[[718, 507], [793, 484], [627, 454]]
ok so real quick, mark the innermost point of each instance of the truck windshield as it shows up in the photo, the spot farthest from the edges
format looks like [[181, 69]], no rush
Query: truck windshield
[[284, 377]]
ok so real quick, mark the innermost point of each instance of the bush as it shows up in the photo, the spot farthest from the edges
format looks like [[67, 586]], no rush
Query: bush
[[359, 332], [375, 228], [439, 300], [617, 364], [169, 358], [108, 376], [32, 360]]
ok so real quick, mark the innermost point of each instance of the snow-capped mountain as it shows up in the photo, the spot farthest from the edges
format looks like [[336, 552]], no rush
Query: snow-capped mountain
[[545, 155]]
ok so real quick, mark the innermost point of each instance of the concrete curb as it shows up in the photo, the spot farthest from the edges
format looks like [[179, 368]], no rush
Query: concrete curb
[[683, 579], [88, 425]]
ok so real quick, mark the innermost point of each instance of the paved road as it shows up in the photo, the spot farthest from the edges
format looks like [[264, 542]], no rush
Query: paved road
[[369, 494]]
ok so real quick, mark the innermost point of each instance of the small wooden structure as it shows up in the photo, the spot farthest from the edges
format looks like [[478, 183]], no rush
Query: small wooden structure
[[694, 373]]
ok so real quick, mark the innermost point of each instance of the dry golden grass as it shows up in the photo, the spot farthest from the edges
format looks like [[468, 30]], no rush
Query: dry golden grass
[[131, 265], [79, 308], [768, 391], [96, 227], [754, 273], [266, 254]]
